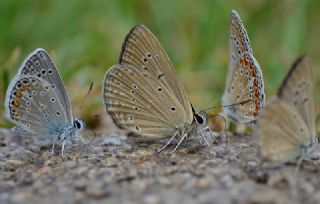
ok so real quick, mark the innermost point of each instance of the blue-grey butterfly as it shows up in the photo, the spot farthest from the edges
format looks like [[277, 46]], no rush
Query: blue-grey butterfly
[[286, 127], [36, 100], [244, 85], [143, 94]]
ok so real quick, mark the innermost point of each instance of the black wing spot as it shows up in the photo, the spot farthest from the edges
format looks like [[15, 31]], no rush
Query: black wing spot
[[58, 113], [173, 108], [50, 71], [53, 99], [160, 89], [161, 76]]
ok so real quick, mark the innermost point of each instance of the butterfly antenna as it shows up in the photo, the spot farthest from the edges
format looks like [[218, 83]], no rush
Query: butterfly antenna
[[85, 98], [225, 106]]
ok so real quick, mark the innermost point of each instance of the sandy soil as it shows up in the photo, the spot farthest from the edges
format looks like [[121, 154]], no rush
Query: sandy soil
[[113, 170]]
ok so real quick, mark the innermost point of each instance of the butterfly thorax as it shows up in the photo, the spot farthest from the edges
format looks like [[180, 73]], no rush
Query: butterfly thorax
[[73, 129]]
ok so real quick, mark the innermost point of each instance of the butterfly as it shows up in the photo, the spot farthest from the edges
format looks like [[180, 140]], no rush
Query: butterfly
[[37, 102], [244, 84], [286, 128], [143, 94]]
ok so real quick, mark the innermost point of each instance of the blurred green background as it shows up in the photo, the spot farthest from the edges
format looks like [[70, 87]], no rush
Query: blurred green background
[[85, 39]]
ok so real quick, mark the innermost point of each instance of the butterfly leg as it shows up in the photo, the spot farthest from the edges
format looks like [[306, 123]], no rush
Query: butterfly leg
[[62, 149], [211, 134], [169, 141], [54, 142], [204, 138], [180, 141], [84, 144]]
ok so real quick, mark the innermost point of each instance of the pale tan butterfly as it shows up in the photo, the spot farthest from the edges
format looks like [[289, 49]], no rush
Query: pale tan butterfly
[[244, 83], [143, 94], [286, 128], [37, 102]]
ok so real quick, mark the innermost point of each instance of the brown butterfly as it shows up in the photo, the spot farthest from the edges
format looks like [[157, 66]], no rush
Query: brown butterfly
[[286, 128], [143, 94]]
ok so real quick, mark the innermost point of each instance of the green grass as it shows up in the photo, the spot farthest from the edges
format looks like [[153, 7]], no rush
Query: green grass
[[85, 40]]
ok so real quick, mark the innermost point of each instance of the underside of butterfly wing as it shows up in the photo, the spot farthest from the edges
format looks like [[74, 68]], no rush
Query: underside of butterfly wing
[[34, 105], [138, 101], [246, 88], [239, 43], [142, 50], [281, 132], [297, 89]]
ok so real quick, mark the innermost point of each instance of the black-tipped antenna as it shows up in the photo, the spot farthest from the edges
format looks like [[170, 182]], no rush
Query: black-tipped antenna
[[85, 98]]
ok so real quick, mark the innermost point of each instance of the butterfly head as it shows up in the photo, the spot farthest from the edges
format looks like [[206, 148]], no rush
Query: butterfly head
[[201, 119]]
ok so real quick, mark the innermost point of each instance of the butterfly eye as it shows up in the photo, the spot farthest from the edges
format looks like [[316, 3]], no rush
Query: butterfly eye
[[77, 124], [199, 119]]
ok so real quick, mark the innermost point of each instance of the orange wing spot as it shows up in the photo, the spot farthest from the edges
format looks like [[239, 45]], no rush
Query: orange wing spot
[[19, 94], [246, 61], [255, 114], [15, 104], [22, 88], [251, 67]]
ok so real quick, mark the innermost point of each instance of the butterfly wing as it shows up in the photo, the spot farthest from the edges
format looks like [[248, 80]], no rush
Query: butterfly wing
[[139, 101], [282, 133], [247, 86], [33, 104], [297, 89], [239, 43], [142, 50], [40, 65]]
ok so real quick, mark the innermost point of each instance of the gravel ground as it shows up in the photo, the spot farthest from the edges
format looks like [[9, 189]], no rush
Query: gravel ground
[[114, 170]]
